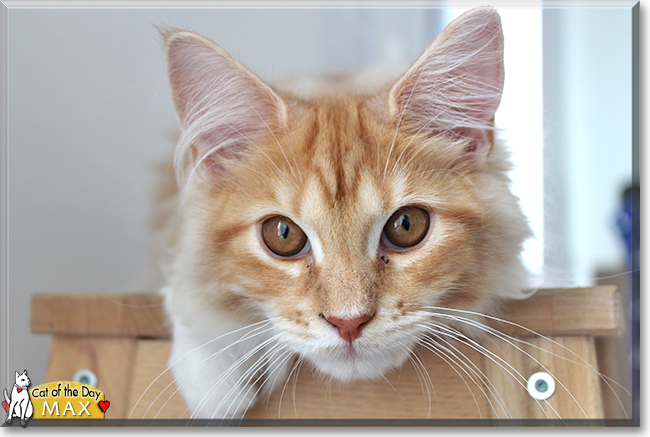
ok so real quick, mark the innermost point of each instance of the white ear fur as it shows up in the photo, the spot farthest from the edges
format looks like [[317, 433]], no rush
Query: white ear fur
[[456, 85], [222, 106]]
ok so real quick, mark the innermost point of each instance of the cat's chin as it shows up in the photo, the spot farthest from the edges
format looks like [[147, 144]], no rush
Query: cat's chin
[[354, 364]]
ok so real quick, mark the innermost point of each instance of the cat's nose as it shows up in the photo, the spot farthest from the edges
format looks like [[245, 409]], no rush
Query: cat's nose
[[350, 328]]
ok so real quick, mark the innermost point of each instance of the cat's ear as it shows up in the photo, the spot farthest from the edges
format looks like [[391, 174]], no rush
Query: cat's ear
[[17, 374], [455, 86], [222, 106]]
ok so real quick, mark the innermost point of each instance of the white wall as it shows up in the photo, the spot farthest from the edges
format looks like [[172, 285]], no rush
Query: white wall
[[588, 138]]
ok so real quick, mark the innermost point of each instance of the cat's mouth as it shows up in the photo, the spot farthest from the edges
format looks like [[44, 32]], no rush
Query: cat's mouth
[[352, 362], [350, 351], [360, 359]]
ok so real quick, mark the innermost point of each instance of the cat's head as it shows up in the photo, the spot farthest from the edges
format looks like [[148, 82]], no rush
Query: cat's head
[[347, 218], [22, 380]]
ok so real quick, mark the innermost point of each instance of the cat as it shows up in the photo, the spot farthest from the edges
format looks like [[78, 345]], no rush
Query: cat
[[328, 226], [19, 405]]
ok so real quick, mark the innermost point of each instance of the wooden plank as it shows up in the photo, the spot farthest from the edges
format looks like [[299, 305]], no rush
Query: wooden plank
[[402, 395], [615, 352], [615, 361], [111, 359], [129, 315], [577, 394], [577, 311], [570, 360], [505, 382]]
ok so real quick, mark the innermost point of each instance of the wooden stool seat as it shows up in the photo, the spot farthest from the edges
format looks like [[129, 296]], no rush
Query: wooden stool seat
[[125, 340]]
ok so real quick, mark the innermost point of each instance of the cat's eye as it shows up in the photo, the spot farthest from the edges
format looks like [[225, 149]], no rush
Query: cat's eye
[[407, 227], [283, 237]]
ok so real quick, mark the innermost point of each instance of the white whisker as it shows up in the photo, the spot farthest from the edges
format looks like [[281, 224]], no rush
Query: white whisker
[[226, 374], [496, 333], [421, 371], [293, 368], [262, 323], [584, 363]]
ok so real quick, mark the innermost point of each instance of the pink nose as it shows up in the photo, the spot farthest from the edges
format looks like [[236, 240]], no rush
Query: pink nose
[[349, 329]]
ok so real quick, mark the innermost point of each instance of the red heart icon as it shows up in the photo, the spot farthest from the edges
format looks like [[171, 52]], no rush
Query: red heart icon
[[104, 405], [6, 406]]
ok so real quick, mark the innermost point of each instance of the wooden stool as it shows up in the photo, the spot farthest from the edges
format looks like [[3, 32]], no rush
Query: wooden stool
[[125, 340]]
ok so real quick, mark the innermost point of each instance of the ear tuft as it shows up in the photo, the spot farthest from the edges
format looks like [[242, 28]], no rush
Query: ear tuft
[[455, 86]]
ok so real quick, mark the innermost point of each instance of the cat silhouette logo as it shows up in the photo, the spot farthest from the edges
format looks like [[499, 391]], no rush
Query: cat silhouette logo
[[19, 404]]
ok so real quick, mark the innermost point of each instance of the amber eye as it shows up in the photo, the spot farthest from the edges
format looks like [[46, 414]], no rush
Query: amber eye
[[283, 237], [407, 226]]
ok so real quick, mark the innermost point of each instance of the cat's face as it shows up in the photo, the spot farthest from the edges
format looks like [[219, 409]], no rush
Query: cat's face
[[22, 380], [322, 236], [346, 219]]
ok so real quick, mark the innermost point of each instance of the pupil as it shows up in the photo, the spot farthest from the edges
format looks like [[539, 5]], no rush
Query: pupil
[[541, 386], [284, 230], [406, 222]]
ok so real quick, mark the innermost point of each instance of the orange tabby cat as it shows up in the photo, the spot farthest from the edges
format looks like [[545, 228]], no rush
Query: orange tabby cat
[[327, 228]]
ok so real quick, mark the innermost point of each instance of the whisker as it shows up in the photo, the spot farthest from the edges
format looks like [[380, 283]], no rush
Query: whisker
[[483, 327], [285, 355], [434, 349], [459, 360], [475, 369], [228, 372], [268, 321], [426, 342], [178, 387], [420, 369], [282, 394], [459, 336], [585, 362], [294, 367], [392, 386], [239, 385], [251, 369], [295, 383]]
